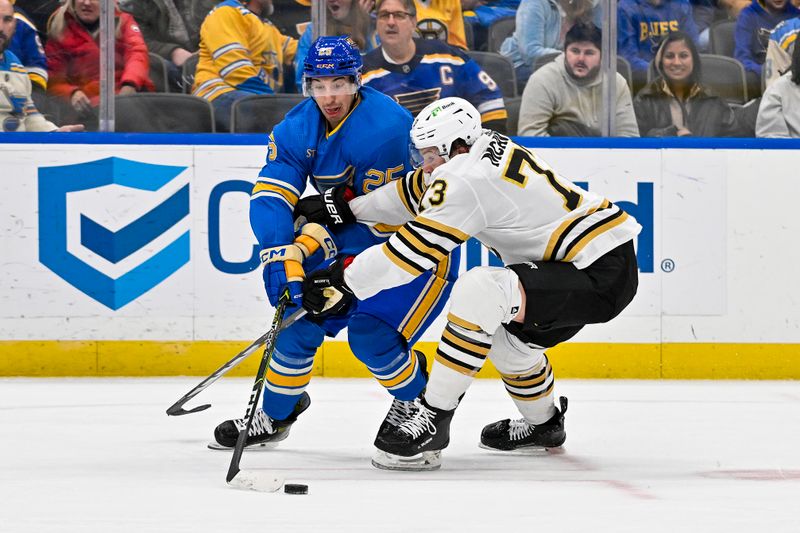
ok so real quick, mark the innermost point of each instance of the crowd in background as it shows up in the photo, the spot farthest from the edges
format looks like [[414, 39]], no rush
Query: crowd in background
[[671, 82]]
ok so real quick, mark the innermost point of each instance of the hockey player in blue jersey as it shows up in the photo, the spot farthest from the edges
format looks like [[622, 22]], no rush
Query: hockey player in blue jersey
[[342, 134], [416, 72]]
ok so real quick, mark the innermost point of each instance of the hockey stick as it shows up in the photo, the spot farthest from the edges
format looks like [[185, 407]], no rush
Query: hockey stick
[[177, 409], [270, 484]]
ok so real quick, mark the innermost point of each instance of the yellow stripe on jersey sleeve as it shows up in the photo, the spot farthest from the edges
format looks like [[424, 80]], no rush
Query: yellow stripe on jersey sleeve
[[419, 247], [288, 195], [457, 235], [497, 114], [403, 195], [372, 74], [442, 58], [417, 184], [386, 228], [401, 261]]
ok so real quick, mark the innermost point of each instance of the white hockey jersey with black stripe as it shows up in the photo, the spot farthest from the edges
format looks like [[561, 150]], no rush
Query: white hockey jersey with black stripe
[[500, 193]]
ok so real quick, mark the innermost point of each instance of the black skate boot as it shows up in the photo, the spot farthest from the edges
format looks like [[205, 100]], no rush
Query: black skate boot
[[507, 435], [402, 410], [264, 431], [417, 443]]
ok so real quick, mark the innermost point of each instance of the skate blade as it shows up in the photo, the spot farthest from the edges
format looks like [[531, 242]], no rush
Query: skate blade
[[417, 463], [260, 447], [523, 450]]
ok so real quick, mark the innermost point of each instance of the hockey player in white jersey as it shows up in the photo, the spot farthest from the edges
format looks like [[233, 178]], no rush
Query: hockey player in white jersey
[[569, 257]]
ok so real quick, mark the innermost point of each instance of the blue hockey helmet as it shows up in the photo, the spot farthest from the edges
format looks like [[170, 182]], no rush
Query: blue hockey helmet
[[332, 56]]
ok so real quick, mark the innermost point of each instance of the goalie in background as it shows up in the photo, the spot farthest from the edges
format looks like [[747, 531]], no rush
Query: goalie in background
[[569, 259]]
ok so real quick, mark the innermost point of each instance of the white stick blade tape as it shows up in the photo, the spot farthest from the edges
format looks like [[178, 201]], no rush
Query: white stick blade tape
[[257, 481]]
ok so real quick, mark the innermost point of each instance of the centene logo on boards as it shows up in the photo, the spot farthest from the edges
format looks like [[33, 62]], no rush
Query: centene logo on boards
[[147, 243], [641, 209]]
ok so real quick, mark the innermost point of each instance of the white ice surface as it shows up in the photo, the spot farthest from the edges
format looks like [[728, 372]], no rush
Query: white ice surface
[[100, 455]]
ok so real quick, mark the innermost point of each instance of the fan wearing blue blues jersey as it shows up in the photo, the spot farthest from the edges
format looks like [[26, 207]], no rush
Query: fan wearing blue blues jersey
[[344, 134], [416, 72], [27, 46], [18, 112]]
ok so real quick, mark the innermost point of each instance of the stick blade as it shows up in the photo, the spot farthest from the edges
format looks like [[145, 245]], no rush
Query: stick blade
[[256, 481], [177, 410]]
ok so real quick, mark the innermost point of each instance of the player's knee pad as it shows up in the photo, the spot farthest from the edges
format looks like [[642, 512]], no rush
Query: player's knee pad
[[512, 357], [299, 341], [373, 341], [486, 297], [385, 352]]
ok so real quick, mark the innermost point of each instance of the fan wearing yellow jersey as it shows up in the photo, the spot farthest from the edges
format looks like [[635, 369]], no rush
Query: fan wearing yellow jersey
[[241, 54]]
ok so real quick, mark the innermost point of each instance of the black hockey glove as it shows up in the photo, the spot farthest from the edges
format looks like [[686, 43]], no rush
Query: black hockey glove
[[329, 208], [325, 293]]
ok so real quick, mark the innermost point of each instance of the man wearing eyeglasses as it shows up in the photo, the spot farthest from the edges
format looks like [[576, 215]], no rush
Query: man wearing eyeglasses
[[354, 137], [416, 72]]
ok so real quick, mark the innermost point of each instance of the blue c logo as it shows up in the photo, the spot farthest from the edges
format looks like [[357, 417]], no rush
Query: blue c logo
[[55, 184]]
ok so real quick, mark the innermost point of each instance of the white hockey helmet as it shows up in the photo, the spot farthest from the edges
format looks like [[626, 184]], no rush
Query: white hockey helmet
[[444, 121]]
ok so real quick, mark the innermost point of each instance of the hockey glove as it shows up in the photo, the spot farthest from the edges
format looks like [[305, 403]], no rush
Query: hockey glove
[[283, 268], [329, 208], [325, 293], [283, 265], [317, 245]]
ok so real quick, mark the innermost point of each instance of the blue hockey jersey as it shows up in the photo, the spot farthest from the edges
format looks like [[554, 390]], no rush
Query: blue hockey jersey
[[27, 46], [642, 25], [782, 41], [437, 70], [367, 149]]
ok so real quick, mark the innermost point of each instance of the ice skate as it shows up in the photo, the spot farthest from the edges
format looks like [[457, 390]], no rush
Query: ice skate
[[415, 444], [400, 410], [508, 435], [265, 432]]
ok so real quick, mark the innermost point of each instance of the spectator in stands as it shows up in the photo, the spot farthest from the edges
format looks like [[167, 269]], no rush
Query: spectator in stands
[[779, 50], [753, 27], [171, 28], [539, 31], [779, 112], [38, 12], [704, 13], [732, 8], [73, 58], [291, 16], [345, 17], [240, 55], [480, 14], [641, 26], [442, 19], [27, 46], [416, 72], [675, 103], [17, 110], [564, 97]]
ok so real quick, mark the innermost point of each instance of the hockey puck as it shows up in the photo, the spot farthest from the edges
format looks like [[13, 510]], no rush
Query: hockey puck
[[292, 488]]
